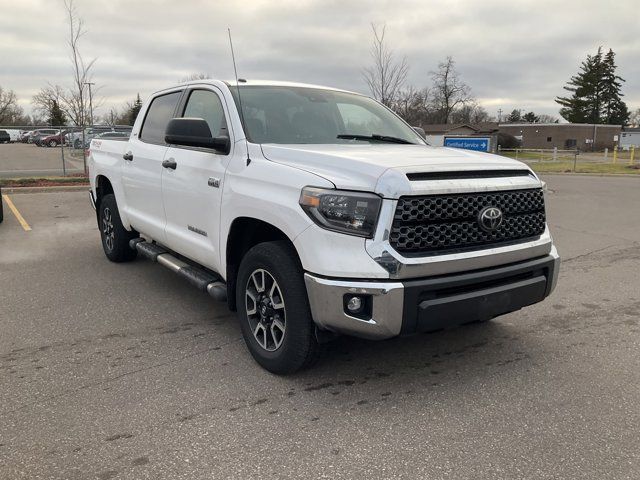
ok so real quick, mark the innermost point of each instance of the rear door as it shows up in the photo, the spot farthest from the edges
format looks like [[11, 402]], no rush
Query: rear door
[[142, 170], [192, 192]]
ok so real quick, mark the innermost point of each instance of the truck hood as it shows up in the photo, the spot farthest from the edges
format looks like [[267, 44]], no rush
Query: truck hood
[[383, 168]]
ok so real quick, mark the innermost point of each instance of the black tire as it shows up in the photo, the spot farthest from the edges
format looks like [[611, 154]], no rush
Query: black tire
[[115, 238], [298, 346], [53, 143]]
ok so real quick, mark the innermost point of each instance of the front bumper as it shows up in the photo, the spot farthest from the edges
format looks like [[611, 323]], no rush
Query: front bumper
[[432, 303]]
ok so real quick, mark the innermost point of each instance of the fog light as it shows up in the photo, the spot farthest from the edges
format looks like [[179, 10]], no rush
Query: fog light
[[354, 305]]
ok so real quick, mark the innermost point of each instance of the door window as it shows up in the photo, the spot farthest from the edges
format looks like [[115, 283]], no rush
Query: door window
[[160, 112], [206, 104]]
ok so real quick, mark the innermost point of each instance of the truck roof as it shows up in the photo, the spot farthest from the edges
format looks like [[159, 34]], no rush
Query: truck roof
[[271, 83]]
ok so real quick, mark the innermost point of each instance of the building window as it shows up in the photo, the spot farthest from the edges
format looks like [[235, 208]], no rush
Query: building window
[[548, 139]]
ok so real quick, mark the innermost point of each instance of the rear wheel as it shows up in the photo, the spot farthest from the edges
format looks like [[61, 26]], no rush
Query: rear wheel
[[273, 309], [115, 238], [53, 143]]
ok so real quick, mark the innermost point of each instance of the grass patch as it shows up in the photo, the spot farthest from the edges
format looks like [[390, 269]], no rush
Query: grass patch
[[533, 156], [567, 167], [44, 181]]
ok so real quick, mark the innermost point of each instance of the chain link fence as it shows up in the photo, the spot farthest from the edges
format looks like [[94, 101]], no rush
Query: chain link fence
[[557, 160], [45, 151]]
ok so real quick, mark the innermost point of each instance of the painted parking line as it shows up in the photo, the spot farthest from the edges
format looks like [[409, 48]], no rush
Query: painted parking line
[[16, 213]]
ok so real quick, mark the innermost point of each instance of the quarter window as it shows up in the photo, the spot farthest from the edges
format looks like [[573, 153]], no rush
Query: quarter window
[[160, 112], [206, 104]]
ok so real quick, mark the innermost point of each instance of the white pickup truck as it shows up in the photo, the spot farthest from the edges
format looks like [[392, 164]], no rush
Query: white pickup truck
[[315, 212]]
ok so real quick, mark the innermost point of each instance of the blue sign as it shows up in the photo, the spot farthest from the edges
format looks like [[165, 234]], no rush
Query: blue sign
[[479, 144]]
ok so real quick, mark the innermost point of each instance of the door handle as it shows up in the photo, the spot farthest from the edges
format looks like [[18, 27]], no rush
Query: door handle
[[128, 156], [170, 163]]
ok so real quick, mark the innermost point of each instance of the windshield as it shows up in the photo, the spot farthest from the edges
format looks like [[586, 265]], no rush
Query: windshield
[[299, 115]]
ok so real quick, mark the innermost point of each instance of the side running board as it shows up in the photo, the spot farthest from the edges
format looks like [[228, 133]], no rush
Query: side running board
[[200, 278]]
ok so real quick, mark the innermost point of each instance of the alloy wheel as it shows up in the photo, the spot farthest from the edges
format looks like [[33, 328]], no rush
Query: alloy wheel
[[107, 228], [265, 310]]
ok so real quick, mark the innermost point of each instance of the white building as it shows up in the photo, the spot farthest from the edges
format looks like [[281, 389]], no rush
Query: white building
[[629, 137]]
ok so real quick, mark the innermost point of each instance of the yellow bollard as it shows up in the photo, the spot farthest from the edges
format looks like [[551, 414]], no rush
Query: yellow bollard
[[633, 151], [615, 154]]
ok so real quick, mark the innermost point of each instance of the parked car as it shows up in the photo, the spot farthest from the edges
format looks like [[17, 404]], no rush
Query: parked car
[[54, 140], [4, 136], [37, 135], [75, 139], [24, 135], [320, 212], [72, 136], [107, 135], [14, 134]]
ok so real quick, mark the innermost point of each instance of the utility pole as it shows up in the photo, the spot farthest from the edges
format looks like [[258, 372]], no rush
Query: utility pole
[[499, 115], [90, 102]]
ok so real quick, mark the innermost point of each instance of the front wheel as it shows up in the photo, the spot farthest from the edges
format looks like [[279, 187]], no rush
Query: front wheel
[[273, 309], [53, 143], [115, 238]]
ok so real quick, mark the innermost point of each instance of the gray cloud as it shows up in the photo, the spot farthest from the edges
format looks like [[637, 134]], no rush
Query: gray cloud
[[512, 54]]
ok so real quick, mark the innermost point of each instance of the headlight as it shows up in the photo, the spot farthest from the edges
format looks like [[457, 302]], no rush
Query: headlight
[[355, 213]]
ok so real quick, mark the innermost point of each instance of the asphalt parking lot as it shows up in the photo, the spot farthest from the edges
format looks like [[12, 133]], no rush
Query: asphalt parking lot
[[125, 371], [27, 160]]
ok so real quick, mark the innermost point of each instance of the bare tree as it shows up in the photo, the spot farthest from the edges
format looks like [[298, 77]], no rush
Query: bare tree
[[75, 100], [544, 118], [44, 100], [634, 118], [413, 105], [387, 75], [111, 117], [9, 108], [471, 113], [448, 89]]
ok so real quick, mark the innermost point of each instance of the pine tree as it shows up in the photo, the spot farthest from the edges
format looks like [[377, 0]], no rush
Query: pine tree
[[135, 109], [57, 117], [530, 117], [514, 116], [615, 111], [596, 96]]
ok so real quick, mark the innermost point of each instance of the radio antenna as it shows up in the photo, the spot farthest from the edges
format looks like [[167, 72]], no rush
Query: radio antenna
[[235, 71]]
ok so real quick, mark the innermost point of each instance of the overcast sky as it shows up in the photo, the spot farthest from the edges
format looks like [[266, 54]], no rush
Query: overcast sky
[[513, 54]]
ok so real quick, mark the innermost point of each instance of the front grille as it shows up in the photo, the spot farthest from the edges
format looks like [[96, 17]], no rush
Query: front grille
[[439, 223]]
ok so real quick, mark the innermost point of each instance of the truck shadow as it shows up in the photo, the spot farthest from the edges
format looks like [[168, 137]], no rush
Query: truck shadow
[[450, 357]]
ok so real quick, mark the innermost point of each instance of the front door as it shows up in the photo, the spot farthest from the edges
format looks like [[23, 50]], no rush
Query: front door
[[142, 169], [192, 191]]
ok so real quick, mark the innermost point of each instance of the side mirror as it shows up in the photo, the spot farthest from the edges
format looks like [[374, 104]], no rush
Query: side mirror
[[420, 131], [194, 132]]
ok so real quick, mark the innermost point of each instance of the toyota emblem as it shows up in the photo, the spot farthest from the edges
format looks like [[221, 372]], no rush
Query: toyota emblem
[[490, 219]]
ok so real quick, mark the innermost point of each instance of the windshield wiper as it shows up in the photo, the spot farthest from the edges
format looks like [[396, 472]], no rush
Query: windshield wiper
[[374, 136]]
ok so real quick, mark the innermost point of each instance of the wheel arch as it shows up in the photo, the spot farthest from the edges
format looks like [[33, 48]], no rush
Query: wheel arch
[[103, 187], [245, 233]]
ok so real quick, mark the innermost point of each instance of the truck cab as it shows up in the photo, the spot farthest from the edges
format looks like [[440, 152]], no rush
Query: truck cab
[[316, 212]]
